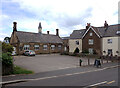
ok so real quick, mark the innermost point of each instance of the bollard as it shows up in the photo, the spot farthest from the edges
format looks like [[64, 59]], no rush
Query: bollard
[[102, 60], [80, 62]]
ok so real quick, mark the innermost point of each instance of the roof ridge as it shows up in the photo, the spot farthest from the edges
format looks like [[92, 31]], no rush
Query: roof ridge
[[27, 32], [108, 25]]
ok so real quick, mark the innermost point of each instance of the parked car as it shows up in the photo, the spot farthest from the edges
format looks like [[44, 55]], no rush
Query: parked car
[[29, 53]]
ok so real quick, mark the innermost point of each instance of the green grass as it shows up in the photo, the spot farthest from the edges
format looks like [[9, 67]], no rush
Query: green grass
[[19, 70]]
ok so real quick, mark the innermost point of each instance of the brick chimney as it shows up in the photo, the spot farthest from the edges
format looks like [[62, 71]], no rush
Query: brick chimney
[[14, 26], [105, 24], [88, 25], [57, 32], [47, 32]]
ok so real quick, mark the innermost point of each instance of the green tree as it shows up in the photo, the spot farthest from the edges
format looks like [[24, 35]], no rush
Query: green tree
[[6, 48], [6, 59]]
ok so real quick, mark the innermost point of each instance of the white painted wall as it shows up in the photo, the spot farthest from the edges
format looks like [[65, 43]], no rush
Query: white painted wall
[[115, 45], [73, 45]]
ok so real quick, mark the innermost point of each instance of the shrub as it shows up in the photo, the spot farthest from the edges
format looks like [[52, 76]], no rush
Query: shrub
[[7, 59], [7, 48], [85, 52]]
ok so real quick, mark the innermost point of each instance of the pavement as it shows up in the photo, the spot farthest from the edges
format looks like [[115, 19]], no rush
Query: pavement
[[55, 73], [50, 62]]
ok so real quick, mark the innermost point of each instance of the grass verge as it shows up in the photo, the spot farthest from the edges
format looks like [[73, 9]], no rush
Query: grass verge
[[19, 70]]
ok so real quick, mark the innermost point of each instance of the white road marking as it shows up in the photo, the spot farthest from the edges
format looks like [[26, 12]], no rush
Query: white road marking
[[58, 75], [97, 84]]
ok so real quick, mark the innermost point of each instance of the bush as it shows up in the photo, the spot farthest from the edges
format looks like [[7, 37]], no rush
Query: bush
[[85, 52], [7, 63], [7, 48], [7, 59]]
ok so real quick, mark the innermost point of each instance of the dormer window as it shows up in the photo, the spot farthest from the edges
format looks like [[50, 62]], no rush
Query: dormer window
[[91, 34]]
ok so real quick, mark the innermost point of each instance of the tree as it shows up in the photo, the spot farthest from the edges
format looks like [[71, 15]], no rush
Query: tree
[[6, 48], [6, 58]]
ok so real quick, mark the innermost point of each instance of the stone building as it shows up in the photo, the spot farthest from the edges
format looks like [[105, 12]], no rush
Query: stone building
[[38, 42]]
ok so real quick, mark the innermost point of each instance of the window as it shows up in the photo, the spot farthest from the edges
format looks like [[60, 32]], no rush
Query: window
[[52, 47], [90, 41], [44, 47], [59, 47], [109, 40], [36, 47], [77, 42], [26, 47], [20, 48], [65, 48], [109, 51], [90, 50], [91, 34]]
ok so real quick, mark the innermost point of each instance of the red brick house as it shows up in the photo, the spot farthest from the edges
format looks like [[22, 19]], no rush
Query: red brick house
[[91, 40]]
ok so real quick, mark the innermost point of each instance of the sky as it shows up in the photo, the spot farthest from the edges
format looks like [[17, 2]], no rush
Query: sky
[[65, 15]]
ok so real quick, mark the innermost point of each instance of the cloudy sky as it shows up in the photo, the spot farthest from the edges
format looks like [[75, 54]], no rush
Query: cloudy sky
[[66, 15]]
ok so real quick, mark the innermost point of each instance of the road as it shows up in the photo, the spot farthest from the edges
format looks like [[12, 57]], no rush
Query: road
[[97, 77]]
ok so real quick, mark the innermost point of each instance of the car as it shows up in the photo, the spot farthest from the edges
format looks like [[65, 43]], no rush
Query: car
[[29, 53]]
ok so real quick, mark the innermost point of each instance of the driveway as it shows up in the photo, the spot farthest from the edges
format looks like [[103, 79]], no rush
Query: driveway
[[49, 62]]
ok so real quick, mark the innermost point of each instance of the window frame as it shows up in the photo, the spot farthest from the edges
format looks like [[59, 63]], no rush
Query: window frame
[[45, 47], [36, 47], [27, 47], [91, 34], [52, 47], [109, 41], [90, 41], [59, 47]]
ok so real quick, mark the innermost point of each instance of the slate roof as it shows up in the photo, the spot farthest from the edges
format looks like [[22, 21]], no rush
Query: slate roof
[[77, 34], [26, 37], [111, 31], [65, 37]]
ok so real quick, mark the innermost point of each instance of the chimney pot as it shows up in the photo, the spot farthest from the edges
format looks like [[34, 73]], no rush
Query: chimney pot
[[57, 32], [14, 26], [47, 32], [88, 25], [105, 24]]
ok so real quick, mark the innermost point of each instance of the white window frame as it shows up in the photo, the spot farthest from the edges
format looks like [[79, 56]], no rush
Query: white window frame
[[26, 47], [59, 47], [44, 47], [109, 41], [90, 41], [52, 47], [90, 49], [36, 47], [91, 34], [65, 48]]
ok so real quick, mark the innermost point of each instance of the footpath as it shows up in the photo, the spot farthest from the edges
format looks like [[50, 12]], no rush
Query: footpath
[[83, 69]]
